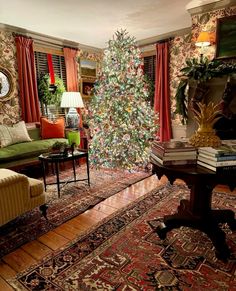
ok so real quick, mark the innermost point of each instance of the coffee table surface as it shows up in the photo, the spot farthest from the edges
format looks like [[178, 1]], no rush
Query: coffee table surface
[[61, 157]]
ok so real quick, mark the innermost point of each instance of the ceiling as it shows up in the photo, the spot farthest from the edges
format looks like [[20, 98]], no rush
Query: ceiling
[[93, 22]]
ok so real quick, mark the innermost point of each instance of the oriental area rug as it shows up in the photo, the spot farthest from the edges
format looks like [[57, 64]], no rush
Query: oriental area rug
[[75, 199], [123, 252]]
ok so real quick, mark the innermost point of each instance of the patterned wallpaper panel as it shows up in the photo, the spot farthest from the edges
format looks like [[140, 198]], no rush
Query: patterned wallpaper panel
[[9, 110], [207, 21], [182, 48]]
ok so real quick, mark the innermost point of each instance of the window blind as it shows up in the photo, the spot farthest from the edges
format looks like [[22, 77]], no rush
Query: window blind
[[149, 67], [150, 72], [41, 65]]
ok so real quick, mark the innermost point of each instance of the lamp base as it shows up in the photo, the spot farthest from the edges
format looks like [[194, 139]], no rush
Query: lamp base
[[74, 138], [72, 118]]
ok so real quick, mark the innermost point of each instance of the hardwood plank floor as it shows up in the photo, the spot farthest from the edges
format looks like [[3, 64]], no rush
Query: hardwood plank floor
[[34, 251]]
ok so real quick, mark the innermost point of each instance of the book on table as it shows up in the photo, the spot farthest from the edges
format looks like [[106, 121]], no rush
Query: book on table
[[216, 163], [173, 146], [217, 158], [223, 150], [154, 158], [173, 153], [176, 156], [221, 169]]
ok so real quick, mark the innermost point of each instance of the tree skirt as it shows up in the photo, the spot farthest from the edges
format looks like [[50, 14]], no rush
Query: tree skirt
[[75, 199], [124, 253]]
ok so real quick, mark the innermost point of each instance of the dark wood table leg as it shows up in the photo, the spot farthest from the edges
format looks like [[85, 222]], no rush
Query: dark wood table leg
[[58, 180], [43, 208], [87, 161], [197, 211], [44, 175], [207, 222], [73, 163]]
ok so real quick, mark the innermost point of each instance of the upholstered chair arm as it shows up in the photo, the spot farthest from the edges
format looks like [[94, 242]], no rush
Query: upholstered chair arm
[[14, 194]]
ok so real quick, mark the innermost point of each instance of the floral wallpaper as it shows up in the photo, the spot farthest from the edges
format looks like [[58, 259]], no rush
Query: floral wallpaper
[[180, 48], [9, 110], [207, 21], [183, 47]]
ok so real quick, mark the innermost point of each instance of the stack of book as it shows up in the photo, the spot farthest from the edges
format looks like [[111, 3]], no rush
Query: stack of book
[[173, 153], [217, 159]]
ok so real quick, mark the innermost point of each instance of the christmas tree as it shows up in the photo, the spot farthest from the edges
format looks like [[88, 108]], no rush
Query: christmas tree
[[122, 122]]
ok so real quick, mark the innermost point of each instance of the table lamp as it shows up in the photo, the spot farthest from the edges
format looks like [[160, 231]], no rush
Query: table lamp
[[72, 100], [203, 40]]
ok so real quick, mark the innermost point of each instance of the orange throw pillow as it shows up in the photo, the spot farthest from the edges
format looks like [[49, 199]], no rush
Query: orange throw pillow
[[52, 129]]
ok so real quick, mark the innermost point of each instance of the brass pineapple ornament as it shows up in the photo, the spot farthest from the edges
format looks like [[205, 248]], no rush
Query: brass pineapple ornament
[[206, 116]]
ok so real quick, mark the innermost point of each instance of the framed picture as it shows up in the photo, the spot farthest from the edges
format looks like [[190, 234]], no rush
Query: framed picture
[[87, 87], [226, 37], [88, 68]]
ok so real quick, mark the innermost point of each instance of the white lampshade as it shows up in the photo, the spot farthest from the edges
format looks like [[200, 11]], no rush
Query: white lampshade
[[71, 99]]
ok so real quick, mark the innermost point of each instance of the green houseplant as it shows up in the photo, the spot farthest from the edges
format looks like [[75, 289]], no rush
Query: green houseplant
[[48, 96], [200, 70]]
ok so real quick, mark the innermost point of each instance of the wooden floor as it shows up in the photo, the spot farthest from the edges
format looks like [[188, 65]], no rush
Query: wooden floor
[[32, 252]]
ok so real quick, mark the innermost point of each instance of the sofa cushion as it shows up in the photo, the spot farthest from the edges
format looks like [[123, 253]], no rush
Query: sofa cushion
[[34, 133], [36, 187], [52, 129], [27, 149], [13, 134]]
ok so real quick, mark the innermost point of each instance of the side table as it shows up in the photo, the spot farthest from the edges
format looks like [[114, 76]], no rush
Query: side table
[[56, 159], [196, 212]]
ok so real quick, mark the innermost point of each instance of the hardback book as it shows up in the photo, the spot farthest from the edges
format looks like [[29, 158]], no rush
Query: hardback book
[[176, 155], [223, 150], [159, 152], [173, 146], [216, 163], [223, 169], [217, 158], [206, 165], [155, 158]]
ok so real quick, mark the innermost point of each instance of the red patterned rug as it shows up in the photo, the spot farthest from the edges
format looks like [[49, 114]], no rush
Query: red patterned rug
[[125, 253], [75, 199]]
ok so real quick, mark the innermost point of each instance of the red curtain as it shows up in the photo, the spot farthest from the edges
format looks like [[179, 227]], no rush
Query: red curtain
[[72, 78], [162, 91], [71, 69], [30, 110]]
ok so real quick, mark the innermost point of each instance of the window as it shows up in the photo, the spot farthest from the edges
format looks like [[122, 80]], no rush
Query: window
[[41, 64], [150, 67], [149, 71]]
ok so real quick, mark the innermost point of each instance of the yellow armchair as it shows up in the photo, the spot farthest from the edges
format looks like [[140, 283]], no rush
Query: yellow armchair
[[19, 194]]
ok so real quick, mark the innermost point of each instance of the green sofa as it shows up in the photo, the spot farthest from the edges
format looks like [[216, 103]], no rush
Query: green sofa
[[25, 153]]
